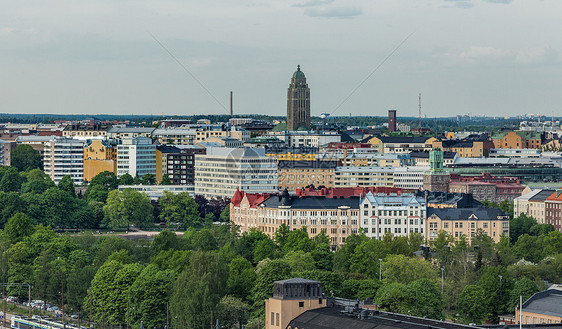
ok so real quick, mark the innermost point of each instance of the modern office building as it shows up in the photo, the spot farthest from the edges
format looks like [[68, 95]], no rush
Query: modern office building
[[222, 171], [298, 102], [64, 156], [136, 156]]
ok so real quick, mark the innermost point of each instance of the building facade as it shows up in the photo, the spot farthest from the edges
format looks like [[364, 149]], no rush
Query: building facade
[[136, 156], [222, 171], [62, 157], [5, 152], [99, 156], [458, 222], [298, 102], [178, 162], [298, 174], [553, 209], [399, 215]]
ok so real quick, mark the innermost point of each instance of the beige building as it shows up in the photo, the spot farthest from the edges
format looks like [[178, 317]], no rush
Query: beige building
[[99, 156], [542, 307], [85, 131], [467, 222], [290, 299], [234, 132], [298, 174], [532, 204], [336, 217]]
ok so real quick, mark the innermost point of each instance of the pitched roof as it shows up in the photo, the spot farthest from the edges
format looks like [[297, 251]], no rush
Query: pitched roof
[[466, 213]]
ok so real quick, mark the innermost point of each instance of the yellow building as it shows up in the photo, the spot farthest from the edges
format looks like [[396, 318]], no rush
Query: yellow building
[[401, 144], [99, 156], [467, 222], [292, 298]]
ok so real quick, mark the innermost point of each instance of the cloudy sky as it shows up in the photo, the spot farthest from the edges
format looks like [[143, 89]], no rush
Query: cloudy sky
[[485, 57]]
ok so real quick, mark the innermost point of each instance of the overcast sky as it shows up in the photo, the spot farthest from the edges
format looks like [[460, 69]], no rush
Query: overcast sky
[[485, 57]]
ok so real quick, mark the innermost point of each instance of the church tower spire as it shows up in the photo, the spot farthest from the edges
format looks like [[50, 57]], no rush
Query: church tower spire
[[298, 102]]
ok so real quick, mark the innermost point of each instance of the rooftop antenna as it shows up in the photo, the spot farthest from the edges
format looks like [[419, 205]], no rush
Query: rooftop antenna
[[419, 112]]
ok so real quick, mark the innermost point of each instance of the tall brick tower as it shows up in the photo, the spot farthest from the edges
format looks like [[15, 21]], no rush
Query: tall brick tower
[[298, 102]]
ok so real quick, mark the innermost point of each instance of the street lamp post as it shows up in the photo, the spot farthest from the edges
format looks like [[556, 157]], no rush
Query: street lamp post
[[380, 269], [442, 276], [500, 285]]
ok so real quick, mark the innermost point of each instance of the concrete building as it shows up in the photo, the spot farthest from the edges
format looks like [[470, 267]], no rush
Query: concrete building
[[178, 162], [336, 217], [409, 177], [88, 131], [222, 171], [99, 156], [399, 215], [298, 174], [203, 133], [175, 136], [5, 152], [364, 176], [467, 221], [298, 102], [306, 138], [399, 144], [155, 192], [64, 156], [121, 132], [136, 156], [543, 307]]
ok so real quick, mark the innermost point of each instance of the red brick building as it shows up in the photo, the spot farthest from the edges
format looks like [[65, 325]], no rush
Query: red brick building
[[553, 209], [487, 187]]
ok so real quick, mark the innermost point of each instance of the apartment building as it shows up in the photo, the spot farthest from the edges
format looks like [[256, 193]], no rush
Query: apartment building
[[465, 148], [204, 133], [306, 138], [178, 162], [222, 171], [122, 132], [136, 156], [532, 204], [399, 144], [88, 131], [399, 215], [486, 187], [298, 174], [175, 136], [336, 217], [352, 176], [5, 152], [553, 209], [467, 222], [64, 156], [100, 156], [409, 177], [518, 140]]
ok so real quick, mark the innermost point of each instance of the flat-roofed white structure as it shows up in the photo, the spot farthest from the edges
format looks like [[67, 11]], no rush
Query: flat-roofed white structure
[[222, 171]]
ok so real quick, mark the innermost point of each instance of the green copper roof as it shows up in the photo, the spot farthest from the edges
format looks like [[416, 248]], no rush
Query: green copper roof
[[298, 73]]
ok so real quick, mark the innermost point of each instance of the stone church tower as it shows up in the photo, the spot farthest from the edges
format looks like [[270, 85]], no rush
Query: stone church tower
[[298, 102], [436, 179]]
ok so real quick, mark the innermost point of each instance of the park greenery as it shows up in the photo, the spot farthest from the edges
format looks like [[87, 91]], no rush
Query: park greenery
[[210, 270]]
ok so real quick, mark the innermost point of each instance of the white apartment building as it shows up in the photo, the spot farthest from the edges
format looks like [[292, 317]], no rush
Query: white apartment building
[[136, 156], [306, 138], [5, 152], [398, 214], [222, 171], [64, 156], [409, 177]]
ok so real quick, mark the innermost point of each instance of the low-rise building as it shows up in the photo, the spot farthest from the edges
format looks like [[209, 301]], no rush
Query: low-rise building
[[400, 144], [399, 215], [155, 192], [487, 187], [542, 307], [222, 171], [467, 222]]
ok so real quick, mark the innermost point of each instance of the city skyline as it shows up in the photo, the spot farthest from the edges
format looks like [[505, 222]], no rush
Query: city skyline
[[482, 57]]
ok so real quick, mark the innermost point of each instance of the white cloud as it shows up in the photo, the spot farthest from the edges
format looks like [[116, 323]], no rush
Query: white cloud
[[313, 3], [7, 30]]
